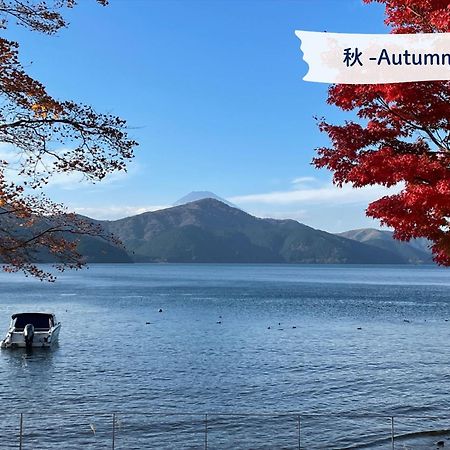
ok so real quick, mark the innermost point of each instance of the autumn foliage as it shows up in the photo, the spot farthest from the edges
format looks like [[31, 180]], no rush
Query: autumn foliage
[[46, 136], [402, 139]]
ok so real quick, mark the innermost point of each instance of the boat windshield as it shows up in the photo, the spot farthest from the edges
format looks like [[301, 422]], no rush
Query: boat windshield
[[40, 321]]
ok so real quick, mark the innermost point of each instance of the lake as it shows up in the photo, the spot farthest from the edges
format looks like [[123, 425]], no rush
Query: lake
[[258, 348]]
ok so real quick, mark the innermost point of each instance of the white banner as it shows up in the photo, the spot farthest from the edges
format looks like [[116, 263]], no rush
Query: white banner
[[375, 58]]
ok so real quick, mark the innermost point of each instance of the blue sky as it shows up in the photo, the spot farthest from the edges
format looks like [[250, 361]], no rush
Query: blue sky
[[213, 92]]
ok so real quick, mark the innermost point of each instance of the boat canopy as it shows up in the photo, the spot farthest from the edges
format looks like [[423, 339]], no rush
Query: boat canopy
[[38, 320]]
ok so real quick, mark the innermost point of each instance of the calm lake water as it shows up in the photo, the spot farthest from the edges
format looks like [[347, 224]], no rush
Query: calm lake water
[[253, 346]]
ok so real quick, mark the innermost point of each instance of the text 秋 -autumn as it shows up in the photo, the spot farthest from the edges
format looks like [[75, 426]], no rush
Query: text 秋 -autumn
[[354, 57]]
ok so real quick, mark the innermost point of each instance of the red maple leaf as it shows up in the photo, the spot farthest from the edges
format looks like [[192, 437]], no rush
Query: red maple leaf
[[402, 138]]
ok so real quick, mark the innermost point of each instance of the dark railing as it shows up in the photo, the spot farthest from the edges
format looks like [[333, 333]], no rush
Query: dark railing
[[111, 426]]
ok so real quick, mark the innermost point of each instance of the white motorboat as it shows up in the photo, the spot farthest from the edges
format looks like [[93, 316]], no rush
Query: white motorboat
[[32, 330]]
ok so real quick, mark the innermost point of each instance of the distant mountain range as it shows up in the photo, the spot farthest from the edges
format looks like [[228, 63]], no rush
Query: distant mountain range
[[414, 252], [210, 231], [200, 195]]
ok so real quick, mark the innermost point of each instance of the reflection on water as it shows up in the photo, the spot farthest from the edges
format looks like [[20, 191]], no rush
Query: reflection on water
[[41, 357], [322, 342]]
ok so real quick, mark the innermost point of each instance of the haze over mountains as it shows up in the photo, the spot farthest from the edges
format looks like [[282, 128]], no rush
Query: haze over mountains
[[209, 231], [200, 195]]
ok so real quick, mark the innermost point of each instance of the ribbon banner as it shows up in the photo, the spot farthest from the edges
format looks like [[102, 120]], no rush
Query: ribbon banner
[[375, 58]]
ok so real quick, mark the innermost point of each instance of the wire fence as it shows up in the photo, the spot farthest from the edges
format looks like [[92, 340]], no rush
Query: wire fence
[[160, 430]]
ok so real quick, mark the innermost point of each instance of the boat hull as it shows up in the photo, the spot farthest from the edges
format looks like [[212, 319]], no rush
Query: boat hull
[[16, 339]]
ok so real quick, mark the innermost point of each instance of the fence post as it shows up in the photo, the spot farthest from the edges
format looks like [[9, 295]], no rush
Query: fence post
[[206, 431], [21, 432], [113, 431], [392, 433], [299, 433]]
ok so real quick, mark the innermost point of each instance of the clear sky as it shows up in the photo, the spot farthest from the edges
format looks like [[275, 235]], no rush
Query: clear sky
[[213, 92]]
